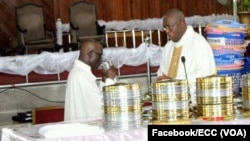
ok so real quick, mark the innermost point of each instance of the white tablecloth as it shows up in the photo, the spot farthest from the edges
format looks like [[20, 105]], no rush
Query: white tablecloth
[[30, 133]]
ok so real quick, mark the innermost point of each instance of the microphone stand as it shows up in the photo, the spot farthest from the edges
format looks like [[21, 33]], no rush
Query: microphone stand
[[147, 42], [183, 61]]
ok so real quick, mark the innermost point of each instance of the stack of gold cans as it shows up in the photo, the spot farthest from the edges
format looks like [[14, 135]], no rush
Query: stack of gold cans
[[170, 102], [246, 95], [122, 106], [215, 98]]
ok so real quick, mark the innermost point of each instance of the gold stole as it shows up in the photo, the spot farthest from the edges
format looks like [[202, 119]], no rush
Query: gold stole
[[172, 71]]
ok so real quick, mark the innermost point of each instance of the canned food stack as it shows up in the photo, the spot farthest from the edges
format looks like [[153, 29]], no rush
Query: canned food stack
[[246, 95], [227, 39], [122, 106], [215, 98], [170, 102]]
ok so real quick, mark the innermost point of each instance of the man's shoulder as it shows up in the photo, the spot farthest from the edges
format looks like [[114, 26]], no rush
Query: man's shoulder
[[199, 37]]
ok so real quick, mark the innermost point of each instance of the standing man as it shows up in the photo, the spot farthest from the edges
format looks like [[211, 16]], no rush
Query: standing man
[[83, 99], [185, 51]]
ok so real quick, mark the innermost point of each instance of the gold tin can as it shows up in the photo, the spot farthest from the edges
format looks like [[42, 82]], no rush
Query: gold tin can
[[246, 105], [169, 83], [245, 87], [123, 125], [214, 92], [246, 112], [170, 87], [123, 117], [170, 113], [215, 100], [119, 109], [170, 97], [121, 90], [246, 93], [170, 105], [170, 102], [123, 102], [245, 80], [214, 80], [214, 86], [216, 111], [122, 105]]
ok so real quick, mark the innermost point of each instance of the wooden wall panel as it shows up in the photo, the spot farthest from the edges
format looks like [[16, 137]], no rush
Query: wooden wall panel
[[107, 10]]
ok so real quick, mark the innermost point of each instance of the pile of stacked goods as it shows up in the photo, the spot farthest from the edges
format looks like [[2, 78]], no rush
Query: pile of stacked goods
[[215, 98], [122, 106], [227, 39], [170, 102]]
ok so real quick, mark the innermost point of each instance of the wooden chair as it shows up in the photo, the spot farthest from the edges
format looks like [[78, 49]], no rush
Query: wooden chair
[[32, 32], [47, 114], [83, 23]]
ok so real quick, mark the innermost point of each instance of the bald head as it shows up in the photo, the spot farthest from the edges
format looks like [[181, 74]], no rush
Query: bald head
[[91, 52], [174, 14]]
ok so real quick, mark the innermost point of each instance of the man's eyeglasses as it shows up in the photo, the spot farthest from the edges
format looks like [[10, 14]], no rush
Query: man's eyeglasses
[[97, 53], [170, 27]]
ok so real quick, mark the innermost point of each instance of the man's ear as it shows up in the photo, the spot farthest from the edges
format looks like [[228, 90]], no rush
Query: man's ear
[[182, 22]]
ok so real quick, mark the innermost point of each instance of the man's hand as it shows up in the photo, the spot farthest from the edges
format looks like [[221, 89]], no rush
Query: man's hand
[[110, 73], [162, 77]]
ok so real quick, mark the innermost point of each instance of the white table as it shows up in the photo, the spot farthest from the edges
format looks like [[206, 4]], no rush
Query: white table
[[30, 133]]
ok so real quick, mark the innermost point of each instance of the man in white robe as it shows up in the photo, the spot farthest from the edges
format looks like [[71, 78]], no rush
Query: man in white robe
[[83, 99], [193, 53]]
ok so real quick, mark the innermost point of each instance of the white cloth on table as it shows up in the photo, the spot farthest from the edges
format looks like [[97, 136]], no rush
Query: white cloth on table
[[199, 59], [31, 133], [69, 130]]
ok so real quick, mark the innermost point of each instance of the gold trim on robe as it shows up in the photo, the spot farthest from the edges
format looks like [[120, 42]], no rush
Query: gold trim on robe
[[172, 71]]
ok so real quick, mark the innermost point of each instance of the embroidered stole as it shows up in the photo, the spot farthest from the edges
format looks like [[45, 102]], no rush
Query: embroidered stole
[[172, 71]]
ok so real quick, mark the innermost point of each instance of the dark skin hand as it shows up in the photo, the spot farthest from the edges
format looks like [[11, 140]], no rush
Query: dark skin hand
[[162, 77], [110, 73]]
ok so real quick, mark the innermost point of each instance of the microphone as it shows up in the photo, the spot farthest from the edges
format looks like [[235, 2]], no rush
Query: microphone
[[106, 65], [183, 61]]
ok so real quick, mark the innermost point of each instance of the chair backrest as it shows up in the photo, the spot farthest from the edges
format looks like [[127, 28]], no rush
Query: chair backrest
[[47, 114], [30, 17], [83, 15]]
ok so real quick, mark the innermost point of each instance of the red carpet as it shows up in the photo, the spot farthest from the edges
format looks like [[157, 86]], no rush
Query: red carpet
[[9, 79]]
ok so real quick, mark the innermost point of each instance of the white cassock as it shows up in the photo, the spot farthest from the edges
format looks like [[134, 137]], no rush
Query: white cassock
[[83, 98], [199, 59]]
